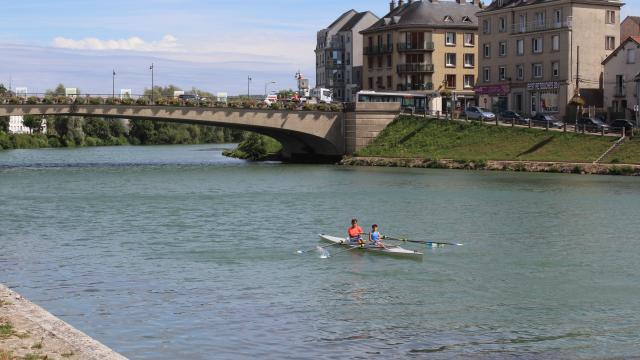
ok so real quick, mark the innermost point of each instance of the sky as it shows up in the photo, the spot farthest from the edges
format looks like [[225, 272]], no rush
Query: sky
[[212, 45]]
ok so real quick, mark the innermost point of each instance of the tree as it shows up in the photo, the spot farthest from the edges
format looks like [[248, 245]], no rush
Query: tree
[[4, 123], [285, 94], [254, 147], [3, 90], [33, 122], [60, 90]]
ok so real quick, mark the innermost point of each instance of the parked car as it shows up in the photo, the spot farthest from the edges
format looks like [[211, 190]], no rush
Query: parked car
[[542, 119], [508, 116], [478, 113], [617, 125], [188, 97], [592, 125]]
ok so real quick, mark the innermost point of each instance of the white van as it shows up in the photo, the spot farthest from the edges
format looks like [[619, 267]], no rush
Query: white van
[[322, 95], [271, 99]]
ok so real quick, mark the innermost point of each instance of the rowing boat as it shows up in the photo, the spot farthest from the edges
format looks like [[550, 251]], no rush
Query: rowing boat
[[393, 250]]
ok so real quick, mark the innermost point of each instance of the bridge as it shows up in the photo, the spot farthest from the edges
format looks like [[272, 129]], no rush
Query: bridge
[[305, 135]]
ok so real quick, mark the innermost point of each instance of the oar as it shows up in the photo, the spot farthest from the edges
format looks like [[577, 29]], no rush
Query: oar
[[318, 247], [426, 242], [349, 249]]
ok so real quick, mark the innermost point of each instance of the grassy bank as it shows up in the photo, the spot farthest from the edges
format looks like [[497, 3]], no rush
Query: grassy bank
[[437, 139]]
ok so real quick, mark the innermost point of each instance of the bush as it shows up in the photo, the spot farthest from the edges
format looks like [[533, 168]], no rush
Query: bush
[[336, 107], [275, 106], [5, 141], [48, 100], [142, 101], [54, 142], [14, 101], [112, 101], [61, 100], [309, 107], [96, 101], [220, 104], [80, 101], [127, 101], [249, 104], [32, 100], [324, 107], [577, 169], [291, 106], [191, 103]]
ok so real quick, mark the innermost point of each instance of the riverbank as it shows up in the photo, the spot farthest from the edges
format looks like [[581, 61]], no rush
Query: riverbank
[[256, 147], [497, 165], [27, 331]]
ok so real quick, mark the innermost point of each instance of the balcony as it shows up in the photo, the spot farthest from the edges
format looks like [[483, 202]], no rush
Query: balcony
[[334, 65], [415, 68], [415, 87], [378, 49], [535, 26], [407, 47]]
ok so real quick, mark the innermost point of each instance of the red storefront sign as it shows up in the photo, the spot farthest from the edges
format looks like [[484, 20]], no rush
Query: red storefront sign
[[493, 90]]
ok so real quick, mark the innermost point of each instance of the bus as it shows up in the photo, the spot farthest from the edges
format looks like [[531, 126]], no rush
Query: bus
[[413, 101]]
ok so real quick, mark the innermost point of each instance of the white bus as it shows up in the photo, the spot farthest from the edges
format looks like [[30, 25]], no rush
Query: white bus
[[406, 100]]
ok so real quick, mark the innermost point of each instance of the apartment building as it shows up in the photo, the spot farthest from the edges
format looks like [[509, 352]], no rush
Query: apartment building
[[339, 54], [427, 46], [622, 79], [630, 27], [532, 52]]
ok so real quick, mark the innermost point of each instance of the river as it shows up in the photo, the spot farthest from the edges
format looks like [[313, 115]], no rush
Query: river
[[168, 252]]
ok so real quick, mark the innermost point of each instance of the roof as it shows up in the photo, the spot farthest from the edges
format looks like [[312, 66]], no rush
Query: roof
[[508, 4], [427, 13], [346, 13], [354, 21], [615, 52], [635, 19]]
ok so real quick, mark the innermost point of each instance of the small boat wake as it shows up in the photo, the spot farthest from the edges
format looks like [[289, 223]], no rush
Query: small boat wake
[[324, 253]]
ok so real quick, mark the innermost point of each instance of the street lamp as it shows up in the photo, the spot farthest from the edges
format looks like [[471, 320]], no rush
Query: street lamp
[[151, 68], [113, 84], [248, 86], [266, 85]]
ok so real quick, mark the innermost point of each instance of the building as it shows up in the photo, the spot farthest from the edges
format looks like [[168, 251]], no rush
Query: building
[[427, 46], [16, 125], [529, 58], [339, 54], [622, 79], [630, 27]]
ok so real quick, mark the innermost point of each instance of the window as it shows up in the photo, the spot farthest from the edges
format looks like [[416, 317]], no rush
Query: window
[[520, 72], [448, 19], [379, 61], [540, 20], [520, 47], [469, 81], [610, 43], [536, 45], [450, 60], [557, 17], [523, 23], [487, 50], [451, 81], [502, 72], [502, 27], [370, 62], [450, 38], [611, 17], [555, 67], [466, 20], [486, 72], [620, 85], [389, 61], [389, 82], [469, 39], [503, 48], [536, 70], [371, 83], [486, 27], [556, 42], [631, 56], [469, 60]]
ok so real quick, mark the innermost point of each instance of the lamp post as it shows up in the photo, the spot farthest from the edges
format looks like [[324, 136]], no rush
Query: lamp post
[[248, 86], [266, 85], [113, 84], [151, 68]]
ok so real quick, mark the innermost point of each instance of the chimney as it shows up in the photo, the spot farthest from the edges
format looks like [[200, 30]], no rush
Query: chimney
[[392, 5], [400, 3]]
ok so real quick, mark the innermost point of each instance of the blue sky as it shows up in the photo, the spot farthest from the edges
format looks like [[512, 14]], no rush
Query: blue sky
[[212, 45]]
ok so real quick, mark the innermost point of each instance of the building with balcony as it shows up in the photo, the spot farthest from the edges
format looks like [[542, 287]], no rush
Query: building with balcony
[[622, 79], [339, 54], [427, 46], [535, 53]]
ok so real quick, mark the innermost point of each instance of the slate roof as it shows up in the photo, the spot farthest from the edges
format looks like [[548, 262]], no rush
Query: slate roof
[[508, 4], [615, 52], [340, 18], [354, 21], [429, 14], [635, 19]]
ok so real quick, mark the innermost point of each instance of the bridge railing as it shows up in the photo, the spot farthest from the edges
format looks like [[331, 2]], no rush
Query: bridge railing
[[146, 100]]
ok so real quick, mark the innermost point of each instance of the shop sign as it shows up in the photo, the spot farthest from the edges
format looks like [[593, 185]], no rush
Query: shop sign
[[549, 85], [492, 90]]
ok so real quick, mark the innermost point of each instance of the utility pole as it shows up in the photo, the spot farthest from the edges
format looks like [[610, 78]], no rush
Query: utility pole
[[151, 68], [249, 86], [113, 84]]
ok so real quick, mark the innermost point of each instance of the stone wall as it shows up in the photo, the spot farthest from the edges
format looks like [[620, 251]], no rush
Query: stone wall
[[364, 125]]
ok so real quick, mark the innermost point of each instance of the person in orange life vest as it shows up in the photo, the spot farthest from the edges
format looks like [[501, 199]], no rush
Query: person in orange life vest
[[354, 233]]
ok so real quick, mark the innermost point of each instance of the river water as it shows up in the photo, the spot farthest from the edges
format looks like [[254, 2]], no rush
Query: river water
[[179, 253]]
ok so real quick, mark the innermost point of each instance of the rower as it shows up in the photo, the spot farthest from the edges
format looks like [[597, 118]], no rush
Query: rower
[[354, 233], [374, 236]]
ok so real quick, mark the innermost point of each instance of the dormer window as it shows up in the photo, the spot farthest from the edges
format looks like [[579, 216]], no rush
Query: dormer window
[[466, 20], [448, 19]]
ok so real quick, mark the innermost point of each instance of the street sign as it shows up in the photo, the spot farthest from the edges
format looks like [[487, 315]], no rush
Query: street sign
[[636, 108]]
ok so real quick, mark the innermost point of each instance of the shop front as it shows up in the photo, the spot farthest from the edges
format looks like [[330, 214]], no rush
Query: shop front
[[544, 97], [494, 97]]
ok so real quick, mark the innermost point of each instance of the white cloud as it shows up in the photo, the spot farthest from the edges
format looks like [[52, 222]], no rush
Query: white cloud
[[135, 43]]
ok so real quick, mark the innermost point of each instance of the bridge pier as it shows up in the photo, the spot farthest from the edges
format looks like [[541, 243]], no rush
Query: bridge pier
[[366, 122]]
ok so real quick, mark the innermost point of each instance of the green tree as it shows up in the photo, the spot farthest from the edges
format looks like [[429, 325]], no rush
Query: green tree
[[3, 90], [285, 94], [62, 125], [97, 127], [142, 131], [33, 122], [117, 128], [4, 123], [58, 91], [254, 147]]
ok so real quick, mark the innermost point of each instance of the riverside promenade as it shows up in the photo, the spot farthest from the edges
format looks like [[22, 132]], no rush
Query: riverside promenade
[[27, 331]]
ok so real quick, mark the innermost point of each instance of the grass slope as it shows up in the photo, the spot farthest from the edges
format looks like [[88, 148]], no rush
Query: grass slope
[[627, 153], [436, 139]]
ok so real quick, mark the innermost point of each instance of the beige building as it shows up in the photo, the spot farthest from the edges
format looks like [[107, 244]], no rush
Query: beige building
[[528, 52], [622, 79], [426, 47], [339, 54]]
